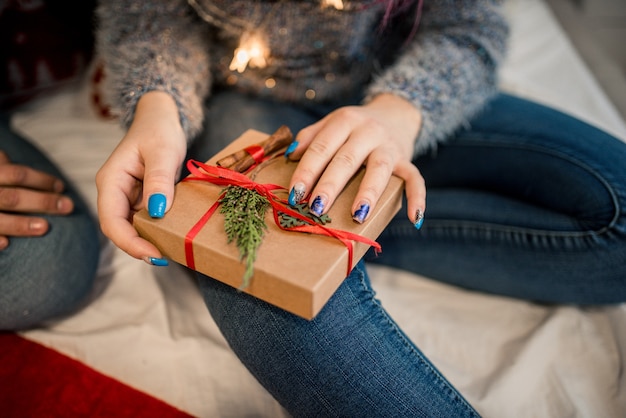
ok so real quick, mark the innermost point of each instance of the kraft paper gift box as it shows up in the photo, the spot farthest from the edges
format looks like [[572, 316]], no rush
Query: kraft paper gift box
[[295, 271]]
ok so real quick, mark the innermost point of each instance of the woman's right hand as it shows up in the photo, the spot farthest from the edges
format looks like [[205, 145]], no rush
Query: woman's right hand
[[142, 170]]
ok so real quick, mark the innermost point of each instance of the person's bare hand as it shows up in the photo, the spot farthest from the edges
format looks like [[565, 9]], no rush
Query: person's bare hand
[[380, 136], [24, 193], [146, 163]]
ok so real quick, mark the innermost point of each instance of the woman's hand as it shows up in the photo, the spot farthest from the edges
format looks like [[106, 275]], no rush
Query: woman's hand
[[142, 170], [379, 135], [25, 191]]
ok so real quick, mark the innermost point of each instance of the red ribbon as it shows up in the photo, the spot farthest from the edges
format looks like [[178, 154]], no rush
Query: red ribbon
[[256, 152], [225, 177]]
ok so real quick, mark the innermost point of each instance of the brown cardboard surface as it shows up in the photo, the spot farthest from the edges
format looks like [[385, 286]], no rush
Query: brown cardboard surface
[[296, 271]]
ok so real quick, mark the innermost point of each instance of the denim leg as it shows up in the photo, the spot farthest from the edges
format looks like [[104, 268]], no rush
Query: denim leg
[[352, 360], [528, 203], [44, 277]]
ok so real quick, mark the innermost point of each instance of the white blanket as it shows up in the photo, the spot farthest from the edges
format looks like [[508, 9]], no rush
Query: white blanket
[[149, 328]]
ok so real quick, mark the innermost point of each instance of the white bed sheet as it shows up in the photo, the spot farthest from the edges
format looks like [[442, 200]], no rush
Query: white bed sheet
[[149, 328]]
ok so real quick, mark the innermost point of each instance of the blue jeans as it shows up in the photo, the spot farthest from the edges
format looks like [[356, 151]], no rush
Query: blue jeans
[[528, 203], [42, 278]]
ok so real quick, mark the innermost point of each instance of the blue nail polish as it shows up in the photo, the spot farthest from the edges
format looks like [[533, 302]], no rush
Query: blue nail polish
[[296, 194], [292, 197], [161, 262], [317, 207], [419, 219], [361, 213], [156, 205], [291, 148]]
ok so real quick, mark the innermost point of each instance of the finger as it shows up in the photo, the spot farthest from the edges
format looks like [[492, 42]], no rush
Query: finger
[[344, 164], [4, 242], [22, 226], [330, 135], [4, 158], [303, 139], [160, 177], [23, 176], [415, 189], [114, 202], [379, 169], [15, 199]]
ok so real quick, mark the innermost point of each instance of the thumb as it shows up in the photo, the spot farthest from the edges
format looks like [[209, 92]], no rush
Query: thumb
[[161, 173]]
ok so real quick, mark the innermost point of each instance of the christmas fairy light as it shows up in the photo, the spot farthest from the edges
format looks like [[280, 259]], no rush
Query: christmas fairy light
[[252, 51], [337, 4]]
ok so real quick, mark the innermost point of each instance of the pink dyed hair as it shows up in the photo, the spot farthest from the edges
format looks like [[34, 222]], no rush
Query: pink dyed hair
[[394, 7]]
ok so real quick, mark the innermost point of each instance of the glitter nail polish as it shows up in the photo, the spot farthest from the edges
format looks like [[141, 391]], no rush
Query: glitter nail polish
[[419, 219], [296, 194]]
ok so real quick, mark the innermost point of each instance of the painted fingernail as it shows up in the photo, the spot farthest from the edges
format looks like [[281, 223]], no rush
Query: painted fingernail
[[291, 148], [318, 205], [419, 219], [361, 213], [161, 262], [156, 205], [296, 194]]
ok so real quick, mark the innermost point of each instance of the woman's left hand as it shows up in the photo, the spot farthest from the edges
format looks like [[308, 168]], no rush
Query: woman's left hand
[[380, 135]]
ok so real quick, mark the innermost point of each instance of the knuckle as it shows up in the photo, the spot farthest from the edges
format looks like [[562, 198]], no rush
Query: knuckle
[[349, 114], [159, 176], [15, 174], [346, 160], [380, 163], [371, 191], [376, 128], [319, 148], [9, 198]]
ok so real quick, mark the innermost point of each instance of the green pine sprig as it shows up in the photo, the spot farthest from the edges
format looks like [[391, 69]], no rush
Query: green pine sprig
[[244, 222]]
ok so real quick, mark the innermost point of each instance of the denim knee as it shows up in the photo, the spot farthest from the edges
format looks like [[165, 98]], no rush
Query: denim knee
[[46, 277]]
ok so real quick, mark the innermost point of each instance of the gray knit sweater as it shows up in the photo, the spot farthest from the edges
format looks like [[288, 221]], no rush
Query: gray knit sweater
[[315, 52]]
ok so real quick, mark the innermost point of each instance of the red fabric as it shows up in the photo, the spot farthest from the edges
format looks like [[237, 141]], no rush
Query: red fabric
[[36, 381]]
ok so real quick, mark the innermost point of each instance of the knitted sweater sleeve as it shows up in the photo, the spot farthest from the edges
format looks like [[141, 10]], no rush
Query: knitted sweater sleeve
[[448, 70], [148, 45]]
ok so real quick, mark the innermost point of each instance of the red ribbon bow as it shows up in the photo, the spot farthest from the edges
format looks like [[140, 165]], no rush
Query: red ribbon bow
[[225, 177]]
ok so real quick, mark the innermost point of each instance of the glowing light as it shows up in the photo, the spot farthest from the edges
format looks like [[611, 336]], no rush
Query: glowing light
[[252, 52], [337, 4]]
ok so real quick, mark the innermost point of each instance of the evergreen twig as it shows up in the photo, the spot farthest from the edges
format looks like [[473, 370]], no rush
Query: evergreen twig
[[244, 222]]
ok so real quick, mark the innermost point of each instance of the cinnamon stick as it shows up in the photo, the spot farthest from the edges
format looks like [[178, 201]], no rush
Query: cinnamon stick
[[241, 160]]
